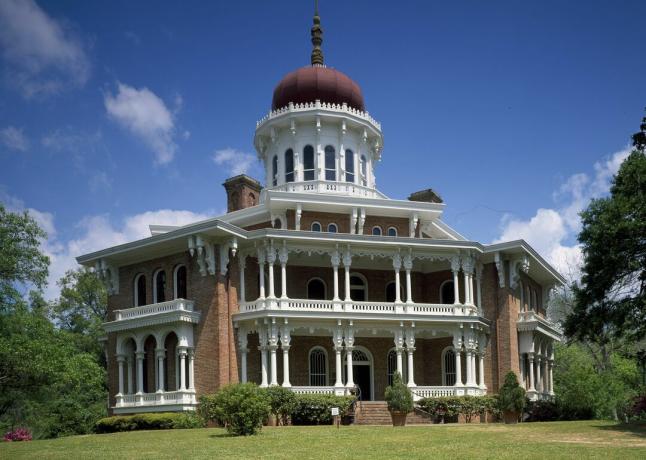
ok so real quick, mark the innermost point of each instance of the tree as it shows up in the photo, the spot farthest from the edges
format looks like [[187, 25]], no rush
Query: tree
[[611, 299], [21, 261]]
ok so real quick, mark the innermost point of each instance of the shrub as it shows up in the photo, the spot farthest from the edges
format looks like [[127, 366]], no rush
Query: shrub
[[282, 402], [156, 421], [313, 409], [511, 396], [18, 434], [542, 411], [449, 407], [398, 395], [241, 407]]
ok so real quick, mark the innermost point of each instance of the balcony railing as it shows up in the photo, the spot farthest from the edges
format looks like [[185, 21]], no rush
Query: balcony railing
[[322, 186], [436, 392], [134, 402], [422, 309], [154, 309], [531, 316]]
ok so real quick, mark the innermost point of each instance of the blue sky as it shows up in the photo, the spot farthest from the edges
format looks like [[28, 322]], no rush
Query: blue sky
[[517, 113]]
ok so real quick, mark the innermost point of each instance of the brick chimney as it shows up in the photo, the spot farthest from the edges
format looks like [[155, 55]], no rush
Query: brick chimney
[[242, 192]]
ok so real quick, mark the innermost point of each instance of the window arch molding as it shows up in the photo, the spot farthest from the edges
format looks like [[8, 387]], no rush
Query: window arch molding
[[332, 228], [289, 165], [377, 231], [316, 226], [330, 163], [180, 282], [392, 231], [314, 295], [359, 287], [390, 291], [444, 286], [159, 285], [318, 366], [449, 374], [139, 285]]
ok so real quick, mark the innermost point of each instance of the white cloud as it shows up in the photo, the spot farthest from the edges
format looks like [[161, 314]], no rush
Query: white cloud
[[146, 116], [100, 181], [96, 232], [552, 232], [235, 161], [14, 138], [42, 55]]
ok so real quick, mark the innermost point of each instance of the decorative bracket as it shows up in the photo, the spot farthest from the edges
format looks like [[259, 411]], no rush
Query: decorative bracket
[[500, 268], [516, 266], [109, 274]]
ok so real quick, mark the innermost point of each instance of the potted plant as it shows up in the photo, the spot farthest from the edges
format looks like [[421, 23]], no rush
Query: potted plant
[[399, 400], [511, 399]]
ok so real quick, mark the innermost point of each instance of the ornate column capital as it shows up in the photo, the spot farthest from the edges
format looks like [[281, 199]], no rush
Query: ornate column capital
[[408, 262], [347, 258], [455, 264], [397, 261], [335, 258]]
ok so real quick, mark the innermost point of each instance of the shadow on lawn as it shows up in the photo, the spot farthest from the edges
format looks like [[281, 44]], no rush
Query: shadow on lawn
[[637, 429]]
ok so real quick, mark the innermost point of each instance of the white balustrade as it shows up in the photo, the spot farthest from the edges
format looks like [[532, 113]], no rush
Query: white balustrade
[[313, 390], [165, 398], [154, 309], [321, 186], [304, 107], [440, 391]]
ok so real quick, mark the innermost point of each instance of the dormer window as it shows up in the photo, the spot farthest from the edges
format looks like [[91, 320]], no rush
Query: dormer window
[[289, 165], [330, 163], [349, 165], [308, 163]]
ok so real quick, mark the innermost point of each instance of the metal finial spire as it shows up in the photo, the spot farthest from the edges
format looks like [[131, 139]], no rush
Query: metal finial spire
[[317, 37]]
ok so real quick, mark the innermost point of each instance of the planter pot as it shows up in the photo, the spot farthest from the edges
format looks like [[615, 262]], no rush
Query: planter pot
[[398, 418], [510, 417]]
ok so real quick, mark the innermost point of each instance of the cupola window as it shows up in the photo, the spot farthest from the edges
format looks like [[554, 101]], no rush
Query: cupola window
[[289, 165], [308, 163], [349, 165], [330, 163], [274, 170]]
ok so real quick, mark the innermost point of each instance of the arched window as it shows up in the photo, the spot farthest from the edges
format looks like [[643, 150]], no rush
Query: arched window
[[363, 170], [179, 282], [278, 224], [330, 163], [392, 366], [308, 163], [358, 287], [289, 165], [316, 227], [274, 170], [376, 230], [318, 367], [391, 292], [447, 292], [392, 231], [332, 228], [140, 290], [159, 287], [316, 289], [448, 367], [252, 199], [349, 165]]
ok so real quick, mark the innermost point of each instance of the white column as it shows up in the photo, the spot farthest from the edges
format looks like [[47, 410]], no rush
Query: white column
[[530, 357], [263, 365], [176, 369], [242, 263], [479, 284], [285, 340], [273, 346], [481, 383], [455, 268], [130, 379], [551, 376], [397, 265], [120, 360], [271, 259], [457, 347], [191, 369], [140, 372], [410, 349], [469, 368], [408, 266], [182, 369], [539, 382], [521, 366], [337, 339], [467, 291], [282, 256], [242, 347], [347, 260], [161, 354], [261, 272], [336, 259], [349, 346], [399, 348]]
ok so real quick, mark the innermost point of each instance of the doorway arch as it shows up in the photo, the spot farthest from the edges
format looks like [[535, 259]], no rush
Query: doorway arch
[[363, 372]]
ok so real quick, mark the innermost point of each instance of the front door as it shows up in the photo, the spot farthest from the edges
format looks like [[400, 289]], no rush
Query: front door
[[362, 380]]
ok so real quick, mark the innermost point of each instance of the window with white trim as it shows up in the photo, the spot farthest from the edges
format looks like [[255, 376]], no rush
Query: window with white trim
[[316, 289], [318, 367], [179, 282], [330, 163], [349, 165], [447, 292], [448, 367], [316, 227], [376, 230], [289, 165], [140, 290], [308, 163], [332, 228], [159, 287], [392, 231]]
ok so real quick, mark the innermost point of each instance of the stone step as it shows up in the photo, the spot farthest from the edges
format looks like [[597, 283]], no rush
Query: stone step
[[376, 413]]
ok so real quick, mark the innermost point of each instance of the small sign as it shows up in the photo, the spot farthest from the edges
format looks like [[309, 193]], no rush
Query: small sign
[[335, 411]]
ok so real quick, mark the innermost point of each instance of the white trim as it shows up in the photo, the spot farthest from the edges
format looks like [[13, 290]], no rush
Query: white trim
[[307, 287], [381, 231], [370, 362], [309, 367], [389, 229], [442, 288]]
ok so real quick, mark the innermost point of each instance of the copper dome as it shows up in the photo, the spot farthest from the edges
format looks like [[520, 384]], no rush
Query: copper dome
[[308, 84]]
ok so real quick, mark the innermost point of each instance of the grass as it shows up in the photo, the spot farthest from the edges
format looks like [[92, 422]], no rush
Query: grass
[[588, 439]]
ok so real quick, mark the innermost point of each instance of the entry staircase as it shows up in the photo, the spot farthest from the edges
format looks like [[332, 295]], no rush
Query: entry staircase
[[376, 413]]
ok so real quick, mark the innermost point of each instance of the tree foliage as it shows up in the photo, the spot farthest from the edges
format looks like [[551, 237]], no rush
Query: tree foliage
[[612, 295]]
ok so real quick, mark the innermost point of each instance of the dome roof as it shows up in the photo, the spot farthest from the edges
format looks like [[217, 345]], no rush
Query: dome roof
[[310, 83]]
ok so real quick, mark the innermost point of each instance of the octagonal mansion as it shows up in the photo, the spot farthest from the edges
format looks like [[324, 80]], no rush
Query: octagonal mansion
[[319, 282]]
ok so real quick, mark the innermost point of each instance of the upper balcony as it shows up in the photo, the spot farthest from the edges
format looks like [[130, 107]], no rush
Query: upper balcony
[[172, 311], [329, 187], [529, 321]]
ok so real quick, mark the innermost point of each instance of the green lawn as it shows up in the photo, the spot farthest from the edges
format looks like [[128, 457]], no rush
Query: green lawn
[[590, 439]]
